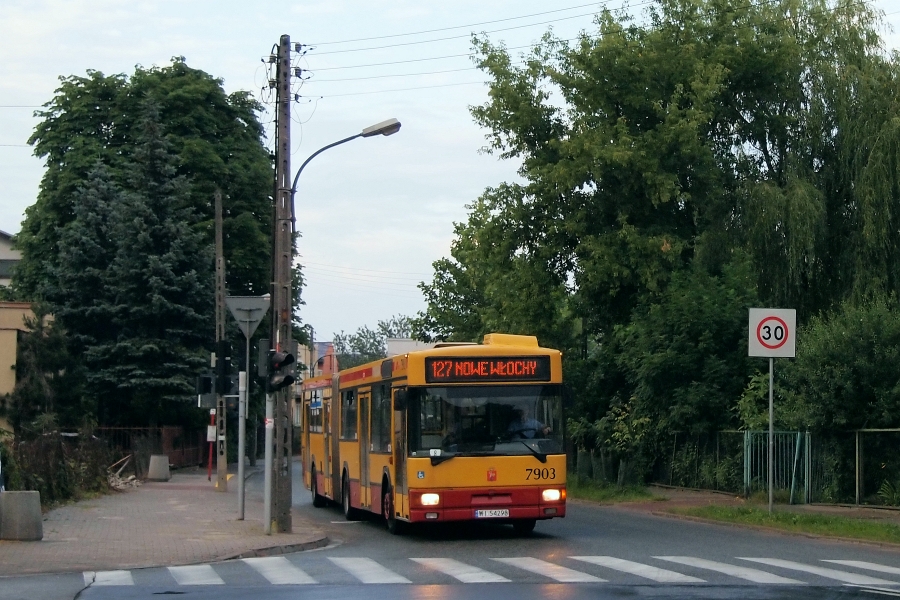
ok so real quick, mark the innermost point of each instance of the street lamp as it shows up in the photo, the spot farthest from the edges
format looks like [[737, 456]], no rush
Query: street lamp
[[385, 128], [282, 253]]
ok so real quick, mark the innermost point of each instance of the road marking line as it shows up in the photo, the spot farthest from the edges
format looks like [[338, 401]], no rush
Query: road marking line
[[882, 591], [461, 571], [754, 575], [279, 571], [562, 574], [859, 564], [368, 571], [108, 578], [196, 575], [821, 571], [118, 577], [639, 569]]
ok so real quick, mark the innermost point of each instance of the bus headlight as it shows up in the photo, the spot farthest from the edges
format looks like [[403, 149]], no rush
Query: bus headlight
[[431, 499], [551, 495]]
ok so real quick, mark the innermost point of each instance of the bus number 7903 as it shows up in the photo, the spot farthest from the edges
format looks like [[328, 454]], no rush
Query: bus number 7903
[[538, 474]]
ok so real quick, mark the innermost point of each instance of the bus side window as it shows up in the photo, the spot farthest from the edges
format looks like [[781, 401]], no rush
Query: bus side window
[[381, 418], [348, 414]]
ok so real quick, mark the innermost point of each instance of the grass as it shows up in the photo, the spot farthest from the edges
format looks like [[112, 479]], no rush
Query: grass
[[818, 524], [606, 493]]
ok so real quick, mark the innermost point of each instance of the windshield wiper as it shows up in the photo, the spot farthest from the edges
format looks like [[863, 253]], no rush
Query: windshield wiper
[[538, 455], [436, 460]]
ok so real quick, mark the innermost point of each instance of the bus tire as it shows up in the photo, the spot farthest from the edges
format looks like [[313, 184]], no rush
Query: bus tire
[[350, 513], [394, 525], [317, 500], [524, 526]]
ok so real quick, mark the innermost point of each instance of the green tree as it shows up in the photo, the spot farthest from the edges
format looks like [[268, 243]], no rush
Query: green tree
[[658, 152], [216, 137], [133, 284], [845, 374], [366, 344], [48, 380]]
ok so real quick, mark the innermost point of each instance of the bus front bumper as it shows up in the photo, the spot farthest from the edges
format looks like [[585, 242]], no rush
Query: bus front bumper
[[486, 504]]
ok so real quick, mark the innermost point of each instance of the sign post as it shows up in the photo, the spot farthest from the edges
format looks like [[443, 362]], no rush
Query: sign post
[[772, 334], [248, 311]]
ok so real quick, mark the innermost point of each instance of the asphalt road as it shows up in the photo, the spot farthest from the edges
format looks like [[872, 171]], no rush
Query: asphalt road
[[595, 552]]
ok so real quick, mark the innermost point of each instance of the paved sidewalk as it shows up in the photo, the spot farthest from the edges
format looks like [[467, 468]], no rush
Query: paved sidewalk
[[179, 522]]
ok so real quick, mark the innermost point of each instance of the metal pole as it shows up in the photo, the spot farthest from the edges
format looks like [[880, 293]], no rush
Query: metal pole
[[242, 432], [282, 298], [771, 435], [221, 448], [267, 483], [857, 468]]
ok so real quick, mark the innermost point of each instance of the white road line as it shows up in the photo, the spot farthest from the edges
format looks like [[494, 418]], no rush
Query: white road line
[[821, 571], [108, 578], [461, 571], [196, 575], [279, 571], [550, 570], [859, 564], [754, 575], [367, 570], [639, 569]]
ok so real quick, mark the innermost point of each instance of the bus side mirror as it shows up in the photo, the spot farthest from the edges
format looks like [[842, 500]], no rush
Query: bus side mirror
[[401, 399]]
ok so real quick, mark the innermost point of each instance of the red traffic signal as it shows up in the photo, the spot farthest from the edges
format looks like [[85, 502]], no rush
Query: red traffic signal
[[277, 361]]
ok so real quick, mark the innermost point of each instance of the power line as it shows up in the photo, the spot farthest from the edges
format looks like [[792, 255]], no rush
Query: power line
[[395, 75], [602, 32], [453, 37], [424, 87], [384, 37], [370, 270], [362, 277]]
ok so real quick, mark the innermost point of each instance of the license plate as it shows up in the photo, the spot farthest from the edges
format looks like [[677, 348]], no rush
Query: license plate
[[492, 514]]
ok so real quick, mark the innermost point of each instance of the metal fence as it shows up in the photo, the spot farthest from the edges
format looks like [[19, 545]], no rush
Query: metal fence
[[861, 467], [184, 448]]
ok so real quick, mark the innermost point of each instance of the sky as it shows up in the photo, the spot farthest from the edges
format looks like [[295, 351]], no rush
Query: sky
[[375, 213]]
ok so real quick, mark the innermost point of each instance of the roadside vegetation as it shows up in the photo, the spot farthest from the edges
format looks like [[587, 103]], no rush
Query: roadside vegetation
[[606, 493], [784, 520]]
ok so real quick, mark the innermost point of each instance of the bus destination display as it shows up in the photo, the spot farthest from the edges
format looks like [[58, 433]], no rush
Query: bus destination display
[[453, 369]]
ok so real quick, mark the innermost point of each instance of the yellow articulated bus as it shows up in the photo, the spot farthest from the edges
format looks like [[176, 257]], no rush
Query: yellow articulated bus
[[458, 432]]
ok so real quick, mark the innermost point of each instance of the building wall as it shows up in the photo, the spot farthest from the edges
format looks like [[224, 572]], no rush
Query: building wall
[[8, 257], [12, 320]]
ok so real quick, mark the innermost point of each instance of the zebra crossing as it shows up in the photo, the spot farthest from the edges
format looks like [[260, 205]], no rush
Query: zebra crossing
[[301, 570]]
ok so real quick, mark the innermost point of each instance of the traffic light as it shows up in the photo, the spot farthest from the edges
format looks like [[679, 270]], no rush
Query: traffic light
[[223, 367], [277, 361], [204, 385]]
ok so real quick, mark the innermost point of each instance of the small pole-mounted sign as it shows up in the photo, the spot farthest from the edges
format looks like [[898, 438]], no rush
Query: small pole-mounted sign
[[772, 334]]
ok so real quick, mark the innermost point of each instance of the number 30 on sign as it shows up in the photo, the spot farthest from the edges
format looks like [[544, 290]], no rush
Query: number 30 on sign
[[772, 332]]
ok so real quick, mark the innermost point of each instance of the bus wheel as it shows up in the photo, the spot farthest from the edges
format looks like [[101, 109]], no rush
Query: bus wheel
[[317, 500], [524, 526], [394, 526], [350, 513]]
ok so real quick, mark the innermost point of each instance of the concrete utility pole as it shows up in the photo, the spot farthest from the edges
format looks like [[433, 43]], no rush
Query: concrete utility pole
[[221, 451], [282, 298]]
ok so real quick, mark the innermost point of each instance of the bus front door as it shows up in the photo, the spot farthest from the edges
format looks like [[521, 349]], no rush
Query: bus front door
[[400, 485], [335, 450], [365, 499]]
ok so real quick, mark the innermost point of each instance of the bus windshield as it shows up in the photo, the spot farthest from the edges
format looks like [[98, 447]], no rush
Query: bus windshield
[[485, 420]]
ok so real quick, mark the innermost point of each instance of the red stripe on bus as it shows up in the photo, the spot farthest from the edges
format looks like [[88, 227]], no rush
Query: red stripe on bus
[[356, 375]]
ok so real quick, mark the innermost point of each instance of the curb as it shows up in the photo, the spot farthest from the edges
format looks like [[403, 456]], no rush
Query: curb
[[275, 550]]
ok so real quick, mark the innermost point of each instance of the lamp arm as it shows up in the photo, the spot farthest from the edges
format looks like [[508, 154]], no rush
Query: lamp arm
[[300, 170]]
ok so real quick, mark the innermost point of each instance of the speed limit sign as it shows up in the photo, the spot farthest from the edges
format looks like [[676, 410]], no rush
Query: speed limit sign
[[772, 332]]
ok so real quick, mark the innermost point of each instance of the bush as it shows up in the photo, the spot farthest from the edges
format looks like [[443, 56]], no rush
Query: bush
[[58, 467]]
